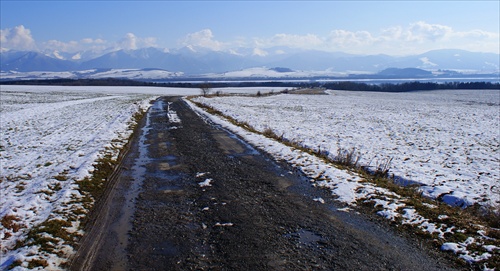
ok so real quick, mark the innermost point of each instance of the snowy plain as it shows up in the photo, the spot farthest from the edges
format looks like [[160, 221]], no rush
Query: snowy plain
[[451, 140], [50, 137], [446, 141]]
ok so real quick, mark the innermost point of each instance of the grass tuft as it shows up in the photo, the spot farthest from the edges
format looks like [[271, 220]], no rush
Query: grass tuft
[[37, 263], [9, 222], [349, 158]]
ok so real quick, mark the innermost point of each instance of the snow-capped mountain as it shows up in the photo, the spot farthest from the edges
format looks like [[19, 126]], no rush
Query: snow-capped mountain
[[195, 61], [27, 61]]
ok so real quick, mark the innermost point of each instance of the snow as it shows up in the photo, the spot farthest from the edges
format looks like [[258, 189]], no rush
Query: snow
[[263, 72], [205, 183], [446, 141], [158, 74], [172, 115], [133, 74], [461, 249], [50, 137], [320, 200]]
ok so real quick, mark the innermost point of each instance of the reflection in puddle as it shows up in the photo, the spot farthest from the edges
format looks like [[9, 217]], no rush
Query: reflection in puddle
[[123, 225]]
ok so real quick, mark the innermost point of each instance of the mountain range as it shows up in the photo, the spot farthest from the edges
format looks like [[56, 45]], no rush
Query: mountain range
[[196, 61]]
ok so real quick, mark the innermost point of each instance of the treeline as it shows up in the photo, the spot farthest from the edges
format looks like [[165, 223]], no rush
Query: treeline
[[409, 86], [339, 85]]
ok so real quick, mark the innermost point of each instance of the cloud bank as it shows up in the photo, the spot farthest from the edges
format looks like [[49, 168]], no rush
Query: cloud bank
[[18, 37], [416, 37]]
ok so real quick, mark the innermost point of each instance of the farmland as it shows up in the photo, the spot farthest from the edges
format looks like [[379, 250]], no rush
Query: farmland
[[446, 142]]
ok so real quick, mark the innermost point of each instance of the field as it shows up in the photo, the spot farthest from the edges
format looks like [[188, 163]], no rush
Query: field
[[445, 141], [51, 138]]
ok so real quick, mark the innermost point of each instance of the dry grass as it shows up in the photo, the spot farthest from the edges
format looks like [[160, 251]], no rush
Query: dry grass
[[10, 222]]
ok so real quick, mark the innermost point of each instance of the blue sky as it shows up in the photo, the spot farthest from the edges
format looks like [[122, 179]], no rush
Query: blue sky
[[365, 27]]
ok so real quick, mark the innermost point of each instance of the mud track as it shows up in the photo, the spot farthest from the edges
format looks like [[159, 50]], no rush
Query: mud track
[[191, 196]]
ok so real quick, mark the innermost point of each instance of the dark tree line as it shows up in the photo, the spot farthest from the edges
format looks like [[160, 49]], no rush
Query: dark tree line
[[409, 86], [340, 85]]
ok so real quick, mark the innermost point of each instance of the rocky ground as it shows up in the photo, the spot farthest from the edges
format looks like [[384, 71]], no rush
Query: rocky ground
[[191, 196]]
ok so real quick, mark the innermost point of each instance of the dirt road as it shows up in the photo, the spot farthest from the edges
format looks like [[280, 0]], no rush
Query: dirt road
[[191, 196]]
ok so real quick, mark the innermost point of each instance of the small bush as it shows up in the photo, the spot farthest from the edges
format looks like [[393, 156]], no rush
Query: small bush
[[268, 132], [382, 168], [348, 158]]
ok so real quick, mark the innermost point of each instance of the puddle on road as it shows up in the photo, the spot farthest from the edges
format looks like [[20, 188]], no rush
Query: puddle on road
[[165, 249], [305, 237], [171, 189], [138, 173]]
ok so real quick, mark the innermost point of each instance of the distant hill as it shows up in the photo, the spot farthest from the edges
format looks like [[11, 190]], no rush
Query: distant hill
[[196, 61], [404, 73]]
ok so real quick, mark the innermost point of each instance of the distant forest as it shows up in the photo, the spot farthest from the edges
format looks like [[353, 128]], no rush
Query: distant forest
[[344, 85]]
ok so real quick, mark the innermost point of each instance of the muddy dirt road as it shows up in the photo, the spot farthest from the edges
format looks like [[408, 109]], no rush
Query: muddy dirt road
[[191, 196]]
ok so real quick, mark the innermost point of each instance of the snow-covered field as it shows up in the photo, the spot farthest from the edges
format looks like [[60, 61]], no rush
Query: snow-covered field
[[50, 137], [447, 141]]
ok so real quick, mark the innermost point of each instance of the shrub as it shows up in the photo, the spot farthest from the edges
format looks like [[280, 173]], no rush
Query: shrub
[[349, 158], [382, 168]]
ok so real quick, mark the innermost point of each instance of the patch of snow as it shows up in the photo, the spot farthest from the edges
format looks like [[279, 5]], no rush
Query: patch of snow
[[345, 209], [205, 183], [201, 174], [224, 224], [320, 200]]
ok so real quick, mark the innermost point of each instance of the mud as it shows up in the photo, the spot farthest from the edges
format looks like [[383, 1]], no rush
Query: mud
[[254, 214]]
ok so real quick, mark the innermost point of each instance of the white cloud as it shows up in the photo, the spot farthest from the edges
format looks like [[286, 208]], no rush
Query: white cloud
[[415, 38], [86, 44], [412, 38], [17, 38], [70, 46], [203, 38], [259, 52], [300, 41], [343, 39], [93, 41], [132, 42], [129, 42], [422, 32]]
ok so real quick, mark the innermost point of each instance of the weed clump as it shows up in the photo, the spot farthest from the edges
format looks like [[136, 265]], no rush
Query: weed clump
[[349, 158], [10, 222]]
